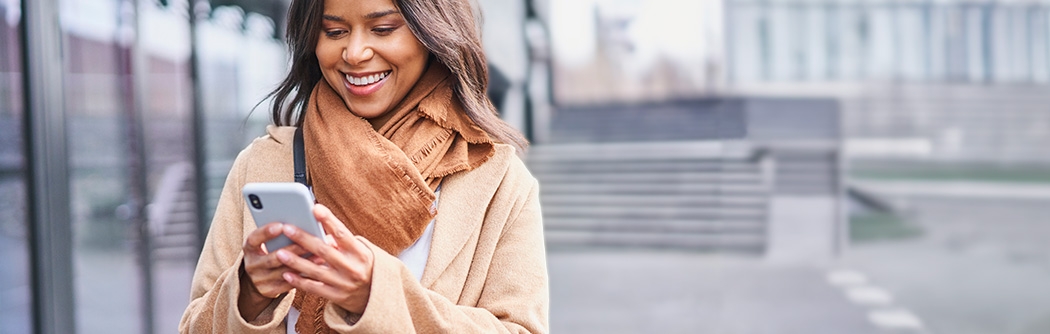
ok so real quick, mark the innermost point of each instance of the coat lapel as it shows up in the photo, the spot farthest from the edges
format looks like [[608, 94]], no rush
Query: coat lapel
[[462, 206]]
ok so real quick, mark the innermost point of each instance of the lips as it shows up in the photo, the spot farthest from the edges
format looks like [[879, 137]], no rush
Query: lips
[[364, 84], [366, 80]]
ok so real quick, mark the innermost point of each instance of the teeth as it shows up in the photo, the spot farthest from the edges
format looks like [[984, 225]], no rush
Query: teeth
[[367, 80]]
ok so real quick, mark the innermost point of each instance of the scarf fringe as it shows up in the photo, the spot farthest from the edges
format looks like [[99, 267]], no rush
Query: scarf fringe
[[429, 146]]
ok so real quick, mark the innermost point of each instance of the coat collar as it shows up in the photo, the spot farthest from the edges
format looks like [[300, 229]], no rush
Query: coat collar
[[464, 201]]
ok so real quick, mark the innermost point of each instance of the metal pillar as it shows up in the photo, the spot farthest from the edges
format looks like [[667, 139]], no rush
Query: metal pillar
[[50, 228], [200, 157], [133, 67]]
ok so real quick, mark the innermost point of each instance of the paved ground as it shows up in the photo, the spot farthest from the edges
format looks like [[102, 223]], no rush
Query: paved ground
[[14, 286], [660, 292], [107, 288], [981, 263]]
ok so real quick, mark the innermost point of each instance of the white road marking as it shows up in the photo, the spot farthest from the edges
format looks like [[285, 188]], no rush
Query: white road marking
[[895, 319], [878, 301], [869, 296], [846, 278]]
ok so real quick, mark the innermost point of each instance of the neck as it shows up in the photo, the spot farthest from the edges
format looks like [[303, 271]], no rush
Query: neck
[[379, 121]]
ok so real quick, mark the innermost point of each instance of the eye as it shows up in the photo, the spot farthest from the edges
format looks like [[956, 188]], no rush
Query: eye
[[334, 33], [383, 31]]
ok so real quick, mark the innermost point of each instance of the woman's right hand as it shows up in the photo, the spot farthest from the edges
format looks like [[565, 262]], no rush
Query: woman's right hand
[[261, 279]]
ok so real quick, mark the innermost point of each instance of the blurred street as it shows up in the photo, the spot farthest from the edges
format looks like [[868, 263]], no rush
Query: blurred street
[[625, 291], [960, 274], [980, 264]]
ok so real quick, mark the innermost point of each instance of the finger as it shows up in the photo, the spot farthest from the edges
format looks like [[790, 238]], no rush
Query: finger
[[265, 280], [296, 249], [270, 261], [360, 249], [256, 238], [340, 234], [308, 242], [255, 265], [318, 261], [318, 247], [274, 284], [307, 268], [347, 275], [314, 286], [352, 298], [344, 239]]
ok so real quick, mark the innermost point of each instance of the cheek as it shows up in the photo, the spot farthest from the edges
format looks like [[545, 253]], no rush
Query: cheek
[[410, 52], [328, 55]]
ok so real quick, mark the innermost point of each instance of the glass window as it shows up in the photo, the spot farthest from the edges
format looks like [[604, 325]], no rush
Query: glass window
[[97, 67], [240, 62], [167, 120], [15, 290]]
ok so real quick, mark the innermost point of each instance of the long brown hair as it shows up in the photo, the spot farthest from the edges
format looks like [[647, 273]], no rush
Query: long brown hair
[[447, 28]]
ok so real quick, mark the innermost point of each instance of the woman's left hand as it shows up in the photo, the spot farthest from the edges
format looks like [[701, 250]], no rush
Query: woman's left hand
[[345, 275]]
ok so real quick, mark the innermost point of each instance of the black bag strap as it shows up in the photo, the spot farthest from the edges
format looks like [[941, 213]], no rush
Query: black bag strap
[[299, 154]]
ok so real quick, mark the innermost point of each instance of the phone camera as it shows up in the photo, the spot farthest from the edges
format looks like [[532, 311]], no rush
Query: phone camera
[[254, 200]]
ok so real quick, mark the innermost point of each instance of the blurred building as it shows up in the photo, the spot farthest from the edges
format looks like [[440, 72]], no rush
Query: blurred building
[[941, 129], [946, 81], [949, 81]]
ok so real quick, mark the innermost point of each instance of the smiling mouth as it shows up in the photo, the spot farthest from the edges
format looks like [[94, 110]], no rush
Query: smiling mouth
[[367, 80]]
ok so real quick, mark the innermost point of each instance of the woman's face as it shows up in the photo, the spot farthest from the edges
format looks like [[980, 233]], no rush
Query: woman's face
[[368, 55]]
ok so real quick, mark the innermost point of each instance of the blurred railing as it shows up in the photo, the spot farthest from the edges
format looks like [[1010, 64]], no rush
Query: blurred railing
[[173, 214], [758, 176], [707, 196]]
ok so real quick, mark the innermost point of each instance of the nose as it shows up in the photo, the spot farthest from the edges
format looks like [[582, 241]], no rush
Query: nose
[[358, 50]]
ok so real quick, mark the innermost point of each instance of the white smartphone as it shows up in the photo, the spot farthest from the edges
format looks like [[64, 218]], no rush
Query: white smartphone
[[284, 202]]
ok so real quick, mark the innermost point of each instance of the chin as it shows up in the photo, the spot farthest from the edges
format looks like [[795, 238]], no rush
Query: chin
[[366, 111]]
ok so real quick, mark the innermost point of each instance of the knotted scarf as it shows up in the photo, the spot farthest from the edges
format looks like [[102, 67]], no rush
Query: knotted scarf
[[381, 183]]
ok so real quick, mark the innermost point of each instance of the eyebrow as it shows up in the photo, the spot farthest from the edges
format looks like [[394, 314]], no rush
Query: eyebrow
[[369, 16], [376, 15]]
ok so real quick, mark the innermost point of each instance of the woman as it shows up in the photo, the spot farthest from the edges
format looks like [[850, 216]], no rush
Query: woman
[[434, 222]]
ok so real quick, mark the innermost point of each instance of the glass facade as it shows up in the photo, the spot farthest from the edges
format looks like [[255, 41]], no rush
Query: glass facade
[[240, 62], [134, 149], [167, 123], [130, 104], [15, 290], [100, 106]]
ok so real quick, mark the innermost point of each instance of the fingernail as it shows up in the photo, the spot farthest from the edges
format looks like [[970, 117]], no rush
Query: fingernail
[[275, 228], [282, 255], [289, 230], [288, 277]]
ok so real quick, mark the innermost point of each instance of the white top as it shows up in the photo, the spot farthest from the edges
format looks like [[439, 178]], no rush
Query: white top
[[414, 257]]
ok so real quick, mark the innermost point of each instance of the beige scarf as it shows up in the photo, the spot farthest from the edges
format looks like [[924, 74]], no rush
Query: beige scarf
[[381, 183]]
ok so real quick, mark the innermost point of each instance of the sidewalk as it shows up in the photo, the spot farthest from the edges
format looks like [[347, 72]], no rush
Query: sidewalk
[[638, 291], [980, 264]]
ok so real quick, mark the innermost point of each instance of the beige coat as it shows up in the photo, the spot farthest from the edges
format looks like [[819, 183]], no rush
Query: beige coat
[[486, 272]]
